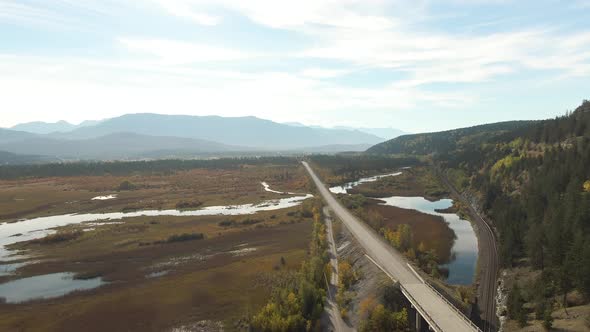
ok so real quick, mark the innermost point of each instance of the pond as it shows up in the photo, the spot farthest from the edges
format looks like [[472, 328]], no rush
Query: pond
[[45, 287], [462, 267], [104, 198], [464, 250], [343, 189]]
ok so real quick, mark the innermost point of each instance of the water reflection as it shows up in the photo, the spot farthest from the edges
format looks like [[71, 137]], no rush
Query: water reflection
[[464, 250], [45, 287], [30, 229], [343, 189]]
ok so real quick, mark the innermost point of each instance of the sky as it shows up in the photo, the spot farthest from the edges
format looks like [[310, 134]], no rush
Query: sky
[[421, 65]]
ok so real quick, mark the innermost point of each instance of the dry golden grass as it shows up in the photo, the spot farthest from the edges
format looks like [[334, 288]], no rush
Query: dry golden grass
[[51, 196], [209, 279]]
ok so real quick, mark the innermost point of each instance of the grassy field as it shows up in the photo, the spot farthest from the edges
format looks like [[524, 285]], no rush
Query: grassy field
[[212, 283], [429, 230], [416, 181], [225, 276], [27, 198]]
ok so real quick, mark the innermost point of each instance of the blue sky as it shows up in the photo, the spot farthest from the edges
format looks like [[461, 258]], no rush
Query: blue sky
[[415, 65]]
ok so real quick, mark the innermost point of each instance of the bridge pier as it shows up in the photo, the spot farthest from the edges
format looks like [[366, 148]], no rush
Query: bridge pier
[[418, 321]]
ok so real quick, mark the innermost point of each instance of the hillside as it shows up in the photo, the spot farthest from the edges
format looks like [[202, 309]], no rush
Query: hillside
[[242, 131], [447, 141], [7, 136], [533, 182]]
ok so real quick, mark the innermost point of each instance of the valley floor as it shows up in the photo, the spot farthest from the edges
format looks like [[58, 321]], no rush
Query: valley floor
[[157, 273]]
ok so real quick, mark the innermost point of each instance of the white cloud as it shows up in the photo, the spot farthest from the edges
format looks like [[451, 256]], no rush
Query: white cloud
[[76, 90], [22, 13], [360, 33], [185, 9], [290, 14], [179, 52], [165, 75], [323, 73]]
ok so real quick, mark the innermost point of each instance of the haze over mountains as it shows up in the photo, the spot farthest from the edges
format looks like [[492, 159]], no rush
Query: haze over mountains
[[147, 135], [385, 133], [39, 127]]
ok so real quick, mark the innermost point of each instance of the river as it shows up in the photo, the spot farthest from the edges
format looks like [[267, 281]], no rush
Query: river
[[464, 251]]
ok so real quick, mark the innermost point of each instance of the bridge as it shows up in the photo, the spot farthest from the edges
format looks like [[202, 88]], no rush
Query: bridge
[[431, 307]]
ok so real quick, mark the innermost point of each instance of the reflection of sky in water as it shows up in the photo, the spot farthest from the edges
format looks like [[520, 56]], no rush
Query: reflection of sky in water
[[45, 286], [343, 188], [462, 268], [37, 228]]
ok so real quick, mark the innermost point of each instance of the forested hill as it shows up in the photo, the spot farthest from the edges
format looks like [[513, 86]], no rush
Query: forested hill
[[447, 141], [533, 182]]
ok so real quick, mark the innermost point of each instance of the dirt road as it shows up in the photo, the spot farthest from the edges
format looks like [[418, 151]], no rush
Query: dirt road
[[334, 320]]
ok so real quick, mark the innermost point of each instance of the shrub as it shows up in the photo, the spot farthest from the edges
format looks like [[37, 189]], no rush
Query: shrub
[[547, 319], [126, 185], [60, 236], [188, 205], [185, 237], [226, 223], [250, 221]]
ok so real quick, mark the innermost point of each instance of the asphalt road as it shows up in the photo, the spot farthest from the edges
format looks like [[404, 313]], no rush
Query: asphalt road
[[488, 264], [441, 315]]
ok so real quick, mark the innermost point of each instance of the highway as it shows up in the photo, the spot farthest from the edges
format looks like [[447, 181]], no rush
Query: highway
[[440, 315]]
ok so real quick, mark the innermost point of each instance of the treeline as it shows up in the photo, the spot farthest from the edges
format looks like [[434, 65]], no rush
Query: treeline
[[541, 207], [446, 142], [298, 304], [344, 168], [130, 167]]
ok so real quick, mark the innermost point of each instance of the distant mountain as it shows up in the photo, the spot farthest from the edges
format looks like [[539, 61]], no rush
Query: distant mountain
[[114, 146], [7, 135], [238, 131], [447, 141], [385, 133], [39, 127], [335, 148]]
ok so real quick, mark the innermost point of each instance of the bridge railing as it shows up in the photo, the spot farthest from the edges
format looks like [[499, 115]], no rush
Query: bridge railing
[[459, 312], [423, 312]]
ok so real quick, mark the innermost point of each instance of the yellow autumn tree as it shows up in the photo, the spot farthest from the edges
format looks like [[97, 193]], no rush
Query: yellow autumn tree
[[422, 247], [346, 274]]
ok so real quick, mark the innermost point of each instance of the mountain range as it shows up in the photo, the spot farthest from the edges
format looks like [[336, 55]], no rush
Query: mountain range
[[147, 135], [39, 127], [384, 133]]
